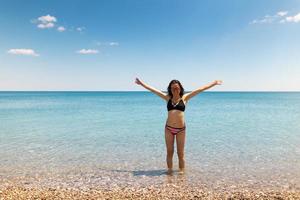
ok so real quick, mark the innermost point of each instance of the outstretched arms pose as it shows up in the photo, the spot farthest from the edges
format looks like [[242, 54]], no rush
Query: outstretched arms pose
[[189, 95], [186, 96], [152, 89]]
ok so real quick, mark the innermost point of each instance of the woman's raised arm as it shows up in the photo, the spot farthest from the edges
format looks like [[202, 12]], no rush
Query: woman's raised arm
[[201, 89], [152, 89]]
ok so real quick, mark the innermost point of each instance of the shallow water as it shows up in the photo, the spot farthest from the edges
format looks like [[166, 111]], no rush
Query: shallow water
[[107, 138]]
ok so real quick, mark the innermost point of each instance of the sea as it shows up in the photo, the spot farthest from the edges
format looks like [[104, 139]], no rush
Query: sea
[[107, 139]]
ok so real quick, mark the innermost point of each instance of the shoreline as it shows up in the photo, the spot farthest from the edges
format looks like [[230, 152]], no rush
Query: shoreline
[[87, 185]]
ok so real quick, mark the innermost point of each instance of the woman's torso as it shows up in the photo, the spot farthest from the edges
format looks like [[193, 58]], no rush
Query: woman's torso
[[175, 116]]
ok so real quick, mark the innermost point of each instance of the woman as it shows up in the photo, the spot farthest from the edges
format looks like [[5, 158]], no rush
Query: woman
[[175, 124]]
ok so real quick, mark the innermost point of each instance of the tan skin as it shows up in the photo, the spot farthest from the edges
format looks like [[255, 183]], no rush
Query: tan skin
[[176, 119]]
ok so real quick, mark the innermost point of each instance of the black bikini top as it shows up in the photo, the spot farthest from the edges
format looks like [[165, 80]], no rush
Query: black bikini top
[[179, 106]]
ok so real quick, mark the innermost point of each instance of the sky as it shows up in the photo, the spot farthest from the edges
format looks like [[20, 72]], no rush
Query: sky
[[64, 45]]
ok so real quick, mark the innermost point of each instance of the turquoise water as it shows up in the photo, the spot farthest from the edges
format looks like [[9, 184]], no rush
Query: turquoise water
[[118, 137]]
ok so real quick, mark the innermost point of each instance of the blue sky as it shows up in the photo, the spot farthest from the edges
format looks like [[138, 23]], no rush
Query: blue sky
[[252, 45]]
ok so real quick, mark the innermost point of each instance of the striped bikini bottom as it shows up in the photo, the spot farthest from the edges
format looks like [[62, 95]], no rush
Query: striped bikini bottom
[[174, 130]]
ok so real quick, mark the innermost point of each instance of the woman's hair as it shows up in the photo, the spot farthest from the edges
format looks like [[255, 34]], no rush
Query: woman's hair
[[169, 88]]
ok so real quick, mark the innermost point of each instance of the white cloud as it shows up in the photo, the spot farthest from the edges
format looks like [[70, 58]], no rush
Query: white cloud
[[107, 43], [88, 51], [48, 22], [80, 29], [282, 13], [268, 19], [43, 26], [113, 44], [295, 18], [46, 19], [27, 52], [44, 22], [61, 29]]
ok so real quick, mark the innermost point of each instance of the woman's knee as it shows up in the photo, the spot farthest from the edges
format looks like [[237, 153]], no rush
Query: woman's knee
[[180, 154]]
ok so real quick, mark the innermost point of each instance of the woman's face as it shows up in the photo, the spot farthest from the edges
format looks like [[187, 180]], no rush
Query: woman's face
[[175, 89]]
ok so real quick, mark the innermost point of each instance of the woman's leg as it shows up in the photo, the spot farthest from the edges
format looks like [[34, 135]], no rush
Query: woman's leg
[[180, 140], [170, 148]]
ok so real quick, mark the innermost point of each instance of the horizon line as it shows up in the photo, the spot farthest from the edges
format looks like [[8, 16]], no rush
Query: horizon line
[[142, 91]]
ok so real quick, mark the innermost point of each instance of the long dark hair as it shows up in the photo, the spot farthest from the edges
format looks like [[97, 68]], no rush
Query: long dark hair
[[169, 88]]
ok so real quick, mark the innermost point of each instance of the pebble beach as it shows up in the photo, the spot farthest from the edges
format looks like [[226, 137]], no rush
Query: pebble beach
[[175, 186], [168, 191]]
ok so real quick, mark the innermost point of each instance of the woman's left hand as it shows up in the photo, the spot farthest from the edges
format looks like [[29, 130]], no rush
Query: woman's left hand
[[218, 82]]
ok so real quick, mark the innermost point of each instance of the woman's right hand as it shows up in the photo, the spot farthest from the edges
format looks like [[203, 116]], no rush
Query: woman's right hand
[[137, 81]]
